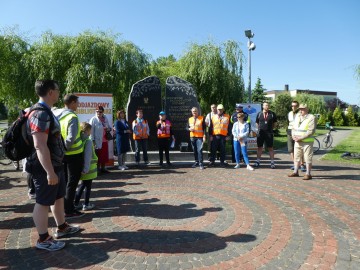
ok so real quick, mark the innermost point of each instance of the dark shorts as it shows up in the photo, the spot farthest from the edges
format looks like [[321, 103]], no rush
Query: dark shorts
[[45, 194], [290, 144], [266, 137]]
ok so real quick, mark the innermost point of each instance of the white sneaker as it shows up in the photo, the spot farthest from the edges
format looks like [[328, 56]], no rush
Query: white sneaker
[[121, 168], [237, 166], [248, 167], [88, 207]]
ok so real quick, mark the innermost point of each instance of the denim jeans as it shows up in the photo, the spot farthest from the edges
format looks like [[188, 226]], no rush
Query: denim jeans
[[141, 144], [240, 149], [197, 146]]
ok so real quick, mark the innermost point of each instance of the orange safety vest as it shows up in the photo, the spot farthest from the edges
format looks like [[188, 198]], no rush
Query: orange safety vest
[[220, 124], [164, 131], [197, 125], [141, 129]]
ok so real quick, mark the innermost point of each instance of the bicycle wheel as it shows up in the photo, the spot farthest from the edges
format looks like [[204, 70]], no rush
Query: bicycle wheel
[[327, 141], [3, 159], [316, 146]]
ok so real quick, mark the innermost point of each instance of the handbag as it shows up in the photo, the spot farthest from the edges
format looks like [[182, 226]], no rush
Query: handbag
[[108, 135]]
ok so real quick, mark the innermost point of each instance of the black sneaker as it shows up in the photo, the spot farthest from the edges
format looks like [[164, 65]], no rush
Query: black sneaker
[[74, 214]]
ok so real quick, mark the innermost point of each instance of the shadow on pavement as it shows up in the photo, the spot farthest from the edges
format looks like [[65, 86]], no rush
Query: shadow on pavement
[[84, 250]]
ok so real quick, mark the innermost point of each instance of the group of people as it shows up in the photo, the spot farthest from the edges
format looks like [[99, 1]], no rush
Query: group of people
[[67, 152]]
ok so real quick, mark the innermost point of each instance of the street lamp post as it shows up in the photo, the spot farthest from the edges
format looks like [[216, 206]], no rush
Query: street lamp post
[[251, 46]]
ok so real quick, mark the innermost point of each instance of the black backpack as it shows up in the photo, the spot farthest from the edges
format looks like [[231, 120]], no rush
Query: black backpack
[[16, 143]]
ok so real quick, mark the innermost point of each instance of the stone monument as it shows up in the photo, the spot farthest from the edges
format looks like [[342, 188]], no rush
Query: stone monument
[[146, 95], [180, 98]]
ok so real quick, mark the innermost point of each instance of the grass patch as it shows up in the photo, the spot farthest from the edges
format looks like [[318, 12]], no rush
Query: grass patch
[[351, 144]]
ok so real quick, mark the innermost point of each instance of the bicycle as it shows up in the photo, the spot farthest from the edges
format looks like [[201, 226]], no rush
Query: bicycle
[[328, 139], [316, 145], [3, 158]]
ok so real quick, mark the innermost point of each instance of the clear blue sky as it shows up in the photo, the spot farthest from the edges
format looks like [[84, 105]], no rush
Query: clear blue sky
[[308, 44]]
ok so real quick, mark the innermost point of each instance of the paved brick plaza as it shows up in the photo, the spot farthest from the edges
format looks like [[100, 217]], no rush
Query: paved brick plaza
[[184, 218]]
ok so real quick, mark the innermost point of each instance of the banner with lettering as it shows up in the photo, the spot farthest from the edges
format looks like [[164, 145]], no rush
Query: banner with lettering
[[87, 107], [252, 109]]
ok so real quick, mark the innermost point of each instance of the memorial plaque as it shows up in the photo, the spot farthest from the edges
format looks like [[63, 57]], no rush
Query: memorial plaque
[[146, 95], [180, 98]]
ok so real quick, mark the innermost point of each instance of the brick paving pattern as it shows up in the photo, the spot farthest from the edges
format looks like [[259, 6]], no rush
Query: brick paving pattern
[[184, 218]]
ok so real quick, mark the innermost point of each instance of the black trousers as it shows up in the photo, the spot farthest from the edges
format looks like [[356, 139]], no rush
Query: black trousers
[[164, 145], [73, 165], [84, 185]]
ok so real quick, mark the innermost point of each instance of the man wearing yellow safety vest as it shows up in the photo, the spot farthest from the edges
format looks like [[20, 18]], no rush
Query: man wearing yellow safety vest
[[197, 127], [218, 131], [73, 160], [290, 142], [302, 133]]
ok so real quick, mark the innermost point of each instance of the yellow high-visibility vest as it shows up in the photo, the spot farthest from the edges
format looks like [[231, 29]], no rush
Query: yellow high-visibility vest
[[197, 125], [220, 124], [92, 173], [301, 128], [77, 146]]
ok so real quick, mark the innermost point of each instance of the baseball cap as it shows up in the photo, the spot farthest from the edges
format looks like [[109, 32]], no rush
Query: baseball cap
[[220, 107], [162, 113], [238, 106]]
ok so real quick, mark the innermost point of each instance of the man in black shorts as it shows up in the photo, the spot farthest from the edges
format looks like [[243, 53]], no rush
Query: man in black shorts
[[45, 165], [265, 122]]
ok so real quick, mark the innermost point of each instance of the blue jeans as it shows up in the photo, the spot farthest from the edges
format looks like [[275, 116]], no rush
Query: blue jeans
[[141, 144], [243, 149], [197, 146], [218, 141]]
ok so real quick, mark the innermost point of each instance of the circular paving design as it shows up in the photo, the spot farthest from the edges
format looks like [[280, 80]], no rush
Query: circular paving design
[[184, 218]]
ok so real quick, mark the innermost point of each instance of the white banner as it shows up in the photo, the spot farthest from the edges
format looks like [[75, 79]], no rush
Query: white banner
[[252, 109], [86, 110]]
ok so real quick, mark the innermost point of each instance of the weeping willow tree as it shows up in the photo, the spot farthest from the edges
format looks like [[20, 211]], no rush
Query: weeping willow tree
[[89, 63], [16, 86], [216, 73]]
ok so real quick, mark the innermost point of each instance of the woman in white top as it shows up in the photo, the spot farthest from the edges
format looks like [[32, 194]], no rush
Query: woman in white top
[[240, 132], [100, 124]]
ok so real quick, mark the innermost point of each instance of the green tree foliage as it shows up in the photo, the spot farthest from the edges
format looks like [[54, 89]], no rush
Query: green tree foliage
[[282, 106], [258, 95], [316, 104], [16, 86], [338, 117], [216, 73], [89, 63], [322, 120], [350, 117], [164, 67]]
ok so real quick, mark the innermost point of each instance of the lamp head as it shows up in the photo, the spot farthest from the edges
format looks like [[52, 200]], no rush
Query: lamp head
[[249, 34], [251, 45]]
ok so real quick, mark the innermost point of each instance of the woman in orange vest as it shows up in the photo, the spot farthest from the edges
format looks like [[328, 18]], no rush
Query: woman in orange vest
[[164, 133], [197, 128]]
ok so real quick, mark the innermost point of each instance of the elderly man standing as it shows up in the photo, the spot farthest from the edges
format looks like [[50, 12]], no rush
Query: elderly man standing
[[302, 133]]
